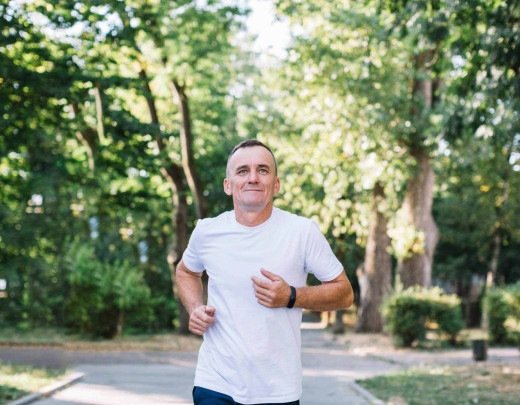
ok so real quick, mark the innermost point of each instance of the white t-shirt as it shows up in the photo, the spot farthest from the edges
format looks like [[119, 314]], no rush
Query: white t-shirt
[[252, 352]]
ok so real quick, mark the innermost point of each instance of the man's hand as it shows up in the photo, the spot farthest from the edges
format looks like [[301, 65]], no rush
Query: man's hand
[[201, 319], [273, 292]]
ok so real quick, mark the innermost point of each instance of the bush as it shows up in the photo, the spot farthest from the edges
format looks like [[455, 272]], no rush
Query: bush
[[408, 313], [102, 295], [502, 307]]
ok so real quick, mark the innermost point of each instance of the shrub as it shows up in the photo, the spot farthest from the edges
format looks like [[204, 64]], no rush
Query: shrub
[[101, 295], [502, 307], [408, 313]]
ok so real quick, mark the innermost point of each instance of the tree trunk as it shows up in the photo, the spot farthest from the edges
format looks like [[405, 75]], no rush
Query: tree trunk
[[120, 323], [175, 176], [188, 161], [339, 327], [500, 219], [375, 274], [416, 268], [86, 135], [99, 113], [493, 264], [417, 213]]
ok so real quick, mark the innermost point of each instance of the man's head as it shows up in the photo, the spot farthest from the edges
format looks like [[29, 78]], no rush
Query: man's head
[[247, 144], [251, 176]]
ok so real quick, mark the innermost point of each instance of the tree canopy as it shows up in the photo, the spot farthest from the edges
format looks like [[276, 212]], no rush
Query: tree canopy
[[395, 125]]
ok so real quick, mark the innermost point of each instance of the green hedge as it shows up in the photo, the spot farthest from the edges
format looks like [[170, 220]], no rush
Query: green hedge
[[408, 313], [502, 307]]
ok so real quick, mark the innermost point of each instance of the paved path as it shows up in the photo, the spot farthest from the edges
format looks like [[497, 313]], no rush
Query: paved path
[[113, 378], [329, 370]]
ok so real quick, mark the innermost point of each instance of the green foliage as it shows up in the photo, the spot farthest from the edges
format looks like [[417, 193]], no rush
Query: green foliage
[[101, 294], [337, 110], [333, 114], [502, 306], [409, 313], [65, 163], [340, 113], [479, 204]]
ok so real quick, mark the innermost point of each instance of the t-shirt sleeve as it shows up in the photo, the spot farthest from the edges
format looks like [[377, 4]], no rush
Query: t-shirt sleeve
[[191, 257], [319, 258]]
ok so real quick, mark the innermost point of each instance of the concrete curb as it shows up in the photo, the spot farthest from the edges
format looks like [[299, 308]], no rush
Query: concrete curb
[[49, 389], [373, 400]]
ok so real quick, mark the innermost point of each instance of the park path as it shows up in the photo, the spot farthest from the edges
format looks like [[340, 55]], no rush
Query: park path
[[330, 367], [114, 378]]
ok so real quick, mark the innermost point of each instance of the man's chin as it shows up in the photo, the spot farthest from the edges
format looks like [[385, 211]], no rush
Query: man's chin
[[252, 207]]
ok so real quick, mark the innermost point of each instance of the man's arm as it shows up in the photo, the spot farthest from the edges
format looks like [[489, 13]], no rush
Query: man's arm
[[328, 296], [189, 287]]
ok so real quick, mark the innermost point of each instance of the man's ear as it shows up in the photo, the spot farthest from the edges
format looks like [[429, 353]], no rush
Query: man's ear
[[276, 185], [227, 186]]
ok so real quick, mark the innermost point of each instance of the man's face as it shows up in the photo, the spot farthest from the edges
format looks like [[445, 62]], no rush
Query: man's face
[[251, 179]]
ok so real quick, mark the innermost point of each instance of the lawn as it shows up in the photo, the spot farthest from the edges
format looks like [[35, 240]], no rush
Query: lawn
[[141, 342], [17, 381], [476, 384]]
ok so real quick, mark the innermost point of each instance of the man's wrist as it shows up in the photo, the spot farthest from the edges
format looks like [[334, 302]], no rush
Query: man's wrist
[[292, 297], [194, 307]]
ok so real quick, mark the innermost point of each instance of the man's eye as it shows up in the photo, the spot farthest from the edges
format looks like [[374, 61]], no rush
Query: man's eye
[[242, 171], [263, 171]]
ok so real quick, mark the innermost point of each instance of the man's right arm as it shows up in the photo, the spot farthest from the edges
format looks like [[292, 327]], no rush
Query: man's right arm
[[189, 287]]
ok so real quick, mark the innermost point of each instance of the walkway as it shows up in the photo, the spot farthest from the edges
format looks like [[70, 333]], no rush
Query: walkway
[[330, 368]]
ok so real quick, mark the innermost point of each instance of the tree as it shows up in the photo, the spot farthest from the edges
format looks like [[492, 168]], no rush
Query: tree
[[171, 59], [111, 64], [424, 27], [484, 111], [374, 276], [345, 103], [32, 170]]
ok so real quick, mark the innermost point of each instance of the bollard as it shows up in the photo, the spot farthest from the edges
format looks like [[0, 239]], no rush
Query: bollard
[[479, 349]]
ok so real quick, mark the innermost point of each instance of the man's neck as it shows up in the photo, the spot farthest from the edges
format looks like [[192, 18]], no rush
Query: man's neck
[[253, 218]]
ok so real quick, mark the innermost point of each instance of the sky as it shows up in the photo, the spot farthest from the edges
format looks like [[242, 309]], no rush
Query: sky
[[272, 35]]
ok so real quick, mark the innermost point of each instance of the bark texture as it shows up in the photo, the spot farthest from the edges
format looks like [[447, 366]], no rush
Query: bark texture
[[416, 269], [86, 135], [417, 212], [374, 275], [175, 176], [186, 138]]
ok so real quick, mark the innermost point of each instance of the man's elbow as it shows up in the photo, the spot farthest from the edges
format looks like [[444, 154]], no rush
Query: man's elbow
[[183, 273], [349, 300], [347, 297]]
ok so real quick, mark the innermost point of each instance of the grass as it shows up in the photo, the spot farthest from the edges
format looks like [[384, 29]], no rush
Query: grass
[[57, 338], [17, 381], [476, 384], [38, 336]]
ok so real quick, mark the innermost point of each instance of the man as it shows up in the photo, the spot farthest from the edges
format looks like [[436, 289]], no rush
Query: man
[[257, 258]]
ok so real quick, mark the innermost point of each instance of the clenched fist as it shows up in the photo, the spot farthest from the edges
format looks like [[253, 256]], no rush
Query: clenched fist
[[201, 318]]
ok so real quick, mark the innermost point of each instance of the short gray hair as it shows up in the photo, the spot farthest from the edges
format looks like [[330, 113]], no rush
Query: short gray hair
[[250, 143]]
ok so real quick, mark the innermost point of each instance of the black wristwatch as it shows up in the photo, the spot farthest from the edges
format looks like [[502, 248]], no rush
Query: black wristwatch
[[292, 298]]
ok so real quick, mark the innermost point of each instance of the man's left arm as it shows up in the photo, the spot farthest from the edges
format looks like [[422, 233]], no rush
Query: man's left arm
[[274, 292]]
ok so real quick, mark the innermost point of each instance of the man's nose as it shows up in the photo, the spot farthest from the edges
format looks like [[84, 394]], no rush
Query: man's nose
[[253, 176]]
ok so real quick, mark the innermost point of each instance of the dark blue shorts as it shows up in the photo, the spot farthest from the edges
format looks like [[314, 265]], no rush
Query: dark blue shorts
[[203, 396]]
